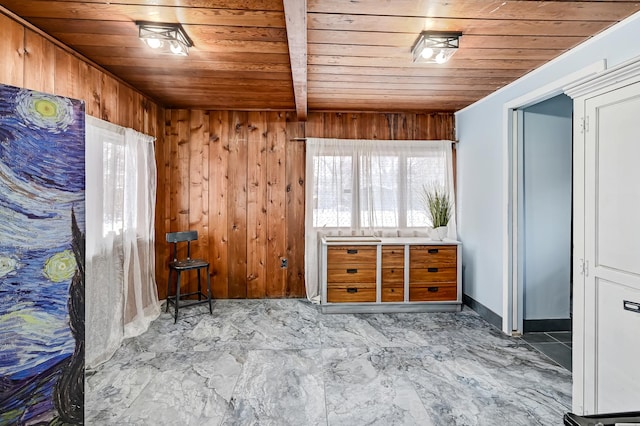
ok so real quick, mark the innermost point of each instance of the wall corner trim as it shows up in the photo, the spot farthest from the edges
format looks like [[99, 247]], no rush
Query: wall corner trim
[[485, 313]]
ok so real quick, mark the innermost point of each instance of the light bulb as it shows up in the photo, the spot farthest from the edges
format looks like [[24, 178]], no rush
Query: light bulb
[[427, 53], [441, 58], [153, 43]]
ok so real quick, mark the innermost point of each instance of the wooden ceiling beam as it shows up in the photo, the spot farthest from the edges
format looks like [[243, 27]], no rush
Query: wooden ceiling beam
[[295, 12]]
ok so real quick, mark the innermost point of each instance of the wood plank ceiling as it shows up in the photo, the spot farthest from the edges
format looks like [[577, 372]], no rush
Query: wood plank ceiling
[[354, 55]]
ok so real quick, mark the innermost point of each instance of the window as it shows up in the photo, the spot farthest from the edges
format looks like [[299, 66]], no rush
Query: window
[[373, 185]]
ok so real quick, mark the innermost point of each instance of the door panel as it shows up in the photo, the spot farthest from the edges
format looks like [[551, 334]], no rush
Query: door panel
[[612, 251], [618, 185], [618, 366]]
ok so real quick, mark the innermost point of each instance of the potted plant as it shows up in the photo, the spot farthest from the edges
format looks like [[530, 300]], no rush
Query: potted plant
[[439, 207]]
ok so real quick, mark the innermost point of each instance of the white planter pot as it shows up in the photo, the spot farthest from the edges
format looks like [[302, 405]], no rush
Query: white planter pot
[[439, 233]]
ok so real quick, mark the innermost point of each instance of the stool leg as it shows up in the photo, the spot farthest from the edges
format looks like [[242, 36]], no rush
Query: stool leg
[[168, 290], [175, 318], [199, 288], [209, 290]]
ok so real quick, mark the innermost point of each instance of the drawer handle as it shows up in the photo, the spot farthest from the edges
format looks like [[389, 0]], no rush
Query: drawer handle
[[432, 269], [352, 271], [352, 251], [433, 251], [631, 306], [432, 289], [352, 290]]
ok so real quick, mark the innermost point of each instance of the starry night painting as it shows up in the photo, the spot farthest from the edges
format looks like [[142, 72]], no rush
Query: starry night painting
[[42, 183]]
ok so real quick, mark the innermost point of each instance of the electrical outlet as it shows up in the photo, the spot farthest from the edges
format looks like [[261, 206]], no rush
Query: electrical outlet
[[284, 263]]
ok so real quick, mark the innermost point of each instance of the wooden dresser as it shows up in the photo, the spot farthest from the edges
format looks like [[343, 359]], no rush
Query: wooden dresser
[[403, 274]]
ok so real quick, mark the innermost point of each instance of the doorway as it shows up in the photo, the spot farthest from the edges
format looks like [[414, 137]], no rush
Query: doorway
[[544, 179]]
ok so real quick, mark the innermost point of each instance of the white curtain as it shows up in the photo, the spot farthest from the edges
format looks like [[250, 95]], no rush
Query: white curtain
[[120, 288], [370, 187]]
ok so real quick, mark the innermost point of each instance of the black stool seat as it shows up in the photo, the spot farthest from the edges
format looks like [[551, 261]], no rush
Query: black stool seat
[[182, 265]]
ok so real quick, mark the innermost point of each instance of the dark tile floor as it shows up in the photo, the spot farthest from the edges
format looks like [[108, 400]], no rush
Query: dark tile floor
[[554, 344]]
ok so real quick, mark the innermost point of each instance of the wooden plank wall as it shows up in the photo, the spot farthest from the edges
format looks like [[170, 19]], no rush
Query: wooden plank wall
[[238, 179], [390, 126], [32, 61]]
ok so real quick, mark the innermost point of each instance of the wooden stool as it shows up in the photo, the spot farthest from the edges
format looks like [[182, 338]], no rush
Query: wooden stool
[[187, 264]]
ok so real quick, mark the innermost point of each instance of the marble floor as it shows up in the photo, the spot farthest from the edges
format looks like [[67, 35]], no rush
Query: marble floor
[[282, 362]]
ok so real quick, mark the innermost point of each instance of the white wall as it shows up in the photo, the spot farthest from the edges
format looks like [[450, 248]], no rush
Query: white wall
[[547, 208], [480, 159]]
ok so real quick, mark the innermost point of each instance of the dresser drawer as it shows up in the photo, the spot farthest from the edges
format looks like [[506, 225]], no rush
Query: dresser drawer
[[351, 293], [433, 274], [352, 256], [421, 256], [351, 275], [393, 256], [392, 276], [431, 293], [393, 293]]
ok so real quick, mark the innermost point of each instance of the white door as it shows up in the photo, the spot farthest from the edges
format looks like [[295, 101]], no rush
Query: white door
[[612, 252]]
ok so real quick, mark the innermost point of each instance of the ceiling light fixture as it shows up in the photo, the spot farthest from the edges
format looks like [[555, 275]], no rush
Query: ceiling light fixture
[[165, 38], [435, 47]]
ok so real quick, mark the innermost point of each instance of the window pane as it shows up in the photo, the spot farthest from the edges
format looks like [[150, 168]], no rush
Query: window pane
[[428, 170], [379, 191], [332, 202], [113, 183]]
